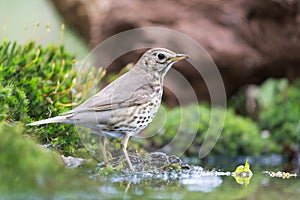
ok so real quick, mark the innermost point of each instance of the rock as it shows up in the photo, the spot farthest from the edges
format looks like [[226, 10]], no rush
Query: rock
[[73, 162], [150, 162], [249, 40]]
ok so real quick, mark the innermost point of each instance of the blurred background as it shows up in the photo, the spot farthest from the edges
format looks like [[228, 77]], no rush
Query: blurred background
[[255, 45], [249, 41], [38, 20]]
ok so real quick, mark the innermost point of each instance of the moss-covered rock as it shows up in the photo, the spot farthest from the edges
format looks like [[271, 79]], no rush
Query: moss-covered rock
[[239, 136], [280, 112], [277, 112]]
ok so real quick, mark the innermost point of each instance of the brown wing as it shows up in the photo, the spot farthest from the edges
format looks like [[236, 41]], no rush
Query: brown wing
[[136, 99], [132, 88]]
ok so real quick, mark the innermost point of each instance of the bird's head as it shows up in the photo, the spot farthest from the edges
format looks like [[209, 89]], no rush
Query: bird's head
[[159, 60]]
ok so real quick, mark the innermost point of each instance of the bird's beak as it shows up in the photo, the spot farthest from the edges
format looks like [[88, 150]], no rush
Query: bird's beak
[[180, 57]]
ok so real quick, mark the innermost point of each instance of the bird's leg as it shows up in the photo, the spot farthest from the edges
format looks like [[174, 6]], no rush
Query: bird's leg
[[103, 142], [124, 147]]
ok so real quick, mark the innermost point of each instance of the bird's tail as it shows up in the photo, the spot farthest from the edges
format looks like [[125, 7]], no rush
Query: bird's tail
[[58, 119]]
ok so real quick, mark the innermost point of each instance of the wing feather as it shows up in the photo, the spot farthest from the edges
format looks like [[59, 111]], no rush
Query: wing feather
[[116, 95]]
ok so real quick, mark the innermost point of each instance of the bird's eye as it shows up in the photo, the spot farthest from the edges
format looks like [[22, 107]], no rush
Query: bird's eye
[[161, 56]]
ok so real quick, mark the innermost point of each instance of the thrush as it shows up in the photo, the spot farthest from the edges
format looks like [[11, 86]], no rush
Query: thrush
[[126, 106]]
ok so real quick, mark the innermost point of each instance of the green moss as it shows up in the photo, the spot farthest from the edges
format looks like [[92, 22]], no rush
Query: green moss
[[24, 166], [36, 83]]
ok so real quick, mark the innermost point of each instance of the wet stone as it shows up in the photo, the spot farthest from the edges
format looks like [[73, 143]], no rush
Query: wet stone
[[155, 162]]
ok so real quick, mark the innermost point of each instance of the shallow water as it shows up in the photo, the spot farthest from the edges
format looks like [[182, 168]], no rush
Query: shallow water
[[190, 182], [194, 182], [206, 185]]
